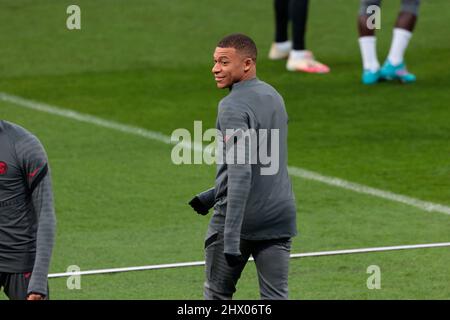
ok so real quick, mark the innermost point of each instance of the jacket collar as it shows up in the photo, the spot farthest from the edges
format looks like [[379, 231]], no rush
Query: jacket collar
[[244, 84]]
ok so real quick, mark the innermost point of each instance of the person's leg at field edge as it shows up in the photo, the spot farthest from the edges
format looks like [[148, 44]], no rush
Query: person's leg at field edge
[[282, 45], [301, 59], [272, 264], [404, 26], [221, 279], [367, 44], [394, 67]]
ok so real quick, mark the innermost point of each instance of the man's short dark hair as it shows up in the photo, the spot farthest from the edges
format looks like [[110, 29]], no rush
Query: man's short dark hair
[[242, 43]]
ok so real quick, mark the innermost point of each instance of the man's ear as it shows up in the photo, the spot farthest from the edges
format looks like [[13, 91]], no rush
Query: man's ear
[[247, 64]]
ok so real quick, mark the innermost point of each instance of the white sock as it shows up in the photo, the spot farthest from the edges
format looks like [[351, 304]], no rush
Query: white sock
[[297, 54], [284, 46], [368, 46], [400, 41]]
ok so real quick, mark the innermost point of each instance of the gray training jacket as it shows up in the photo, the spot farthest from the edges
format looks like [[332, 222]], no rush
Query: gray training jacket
[[27, 216], [248, 204]]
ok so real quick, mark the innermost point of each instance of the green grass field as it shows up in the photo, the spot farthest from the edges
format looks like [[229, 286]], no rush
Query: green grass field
[[120, 200]]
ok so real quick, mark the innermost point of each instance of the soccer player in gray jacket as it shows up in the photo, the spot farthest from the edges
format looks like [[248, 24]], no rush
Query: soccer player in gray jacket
[[254, 207], [27, 216]]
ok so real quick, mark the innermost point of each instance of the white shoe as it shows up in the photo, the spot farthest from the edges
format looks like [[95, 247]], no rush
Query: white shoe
[[277, 53], [306, 63]]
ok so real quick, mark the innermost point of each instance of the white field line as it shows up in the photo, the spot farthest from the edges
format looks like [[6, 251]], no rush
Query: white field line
[[424, 205], [296, 255], [157, 136]]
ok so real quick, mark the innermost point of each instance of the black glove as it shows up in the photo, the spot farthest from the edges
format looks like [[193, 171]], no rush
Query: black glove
[[204, 201], [234, 260], [198, 206]]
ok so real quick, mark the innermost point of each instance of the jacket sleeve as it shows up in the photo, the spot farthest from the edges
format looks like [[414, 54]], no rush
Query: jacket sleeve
[[36, 172], [208, 197], [234, 125]]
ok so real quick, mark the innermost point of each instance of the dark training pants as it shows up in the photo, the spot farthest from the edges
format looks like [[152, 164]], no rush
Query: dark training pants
[[15, 285], [297, 12], [272, 264]]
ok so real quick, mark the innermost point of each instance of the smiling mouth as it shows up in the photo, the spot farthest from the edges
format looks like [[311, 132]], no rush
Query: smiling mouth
[[218, 79]]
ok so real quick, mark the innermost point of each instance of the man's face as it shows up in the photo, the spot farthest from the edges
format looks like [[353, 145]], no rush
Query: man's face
[[229, 67]]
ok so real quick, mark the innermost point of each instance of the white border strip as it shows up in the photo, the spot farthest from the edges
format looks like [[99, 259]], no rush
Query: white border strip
[[157, 136], [296, 255]]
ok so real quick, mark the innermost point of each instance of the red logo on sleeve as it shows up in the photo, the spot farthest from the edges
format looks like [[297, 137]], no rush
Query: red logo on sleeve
[[3, 168], [32, 174]]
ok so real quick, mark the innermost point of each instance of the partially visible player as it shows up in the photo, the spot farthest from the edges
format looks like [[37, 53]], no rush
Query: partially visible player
[[27, 215], [299, 59], [394, 68]]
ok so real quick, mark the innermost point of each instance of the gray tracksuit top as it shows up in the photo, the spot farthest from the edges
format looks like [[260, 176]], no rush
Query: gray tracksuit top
[[27, 217], [249, 204]]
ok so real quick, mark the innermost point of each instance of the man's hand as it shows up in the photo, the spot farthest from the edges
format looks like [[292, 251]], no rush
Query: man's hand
[[35, 296], [198, 206], [203, 201], [234, 260]]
